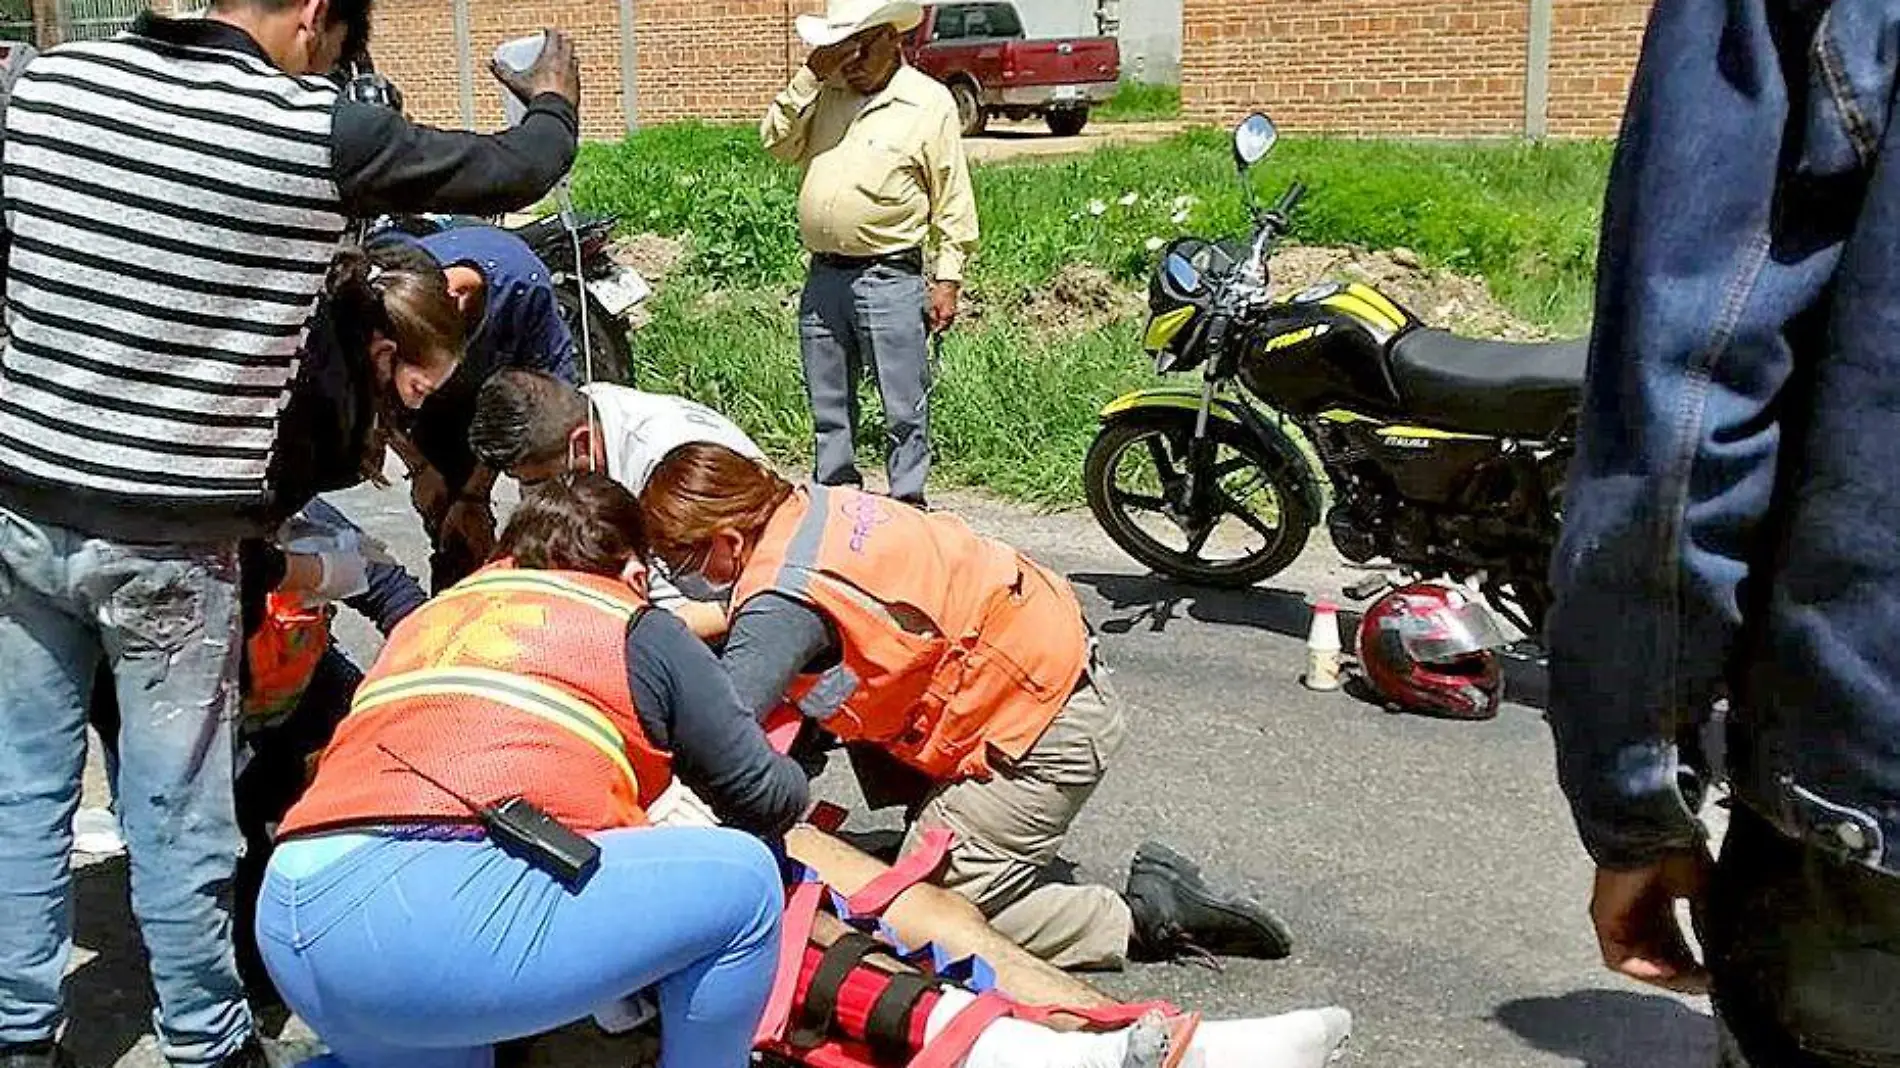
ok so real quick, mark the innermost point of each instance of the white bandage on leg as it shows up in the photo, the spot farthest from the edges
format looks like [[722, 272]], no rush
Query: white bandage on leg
[[1017, 1044], [1311, 1038]]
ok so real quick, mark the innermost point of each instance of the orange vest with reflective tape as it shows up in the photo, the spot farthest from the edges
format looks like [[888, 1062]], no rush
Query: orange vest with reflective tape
[[282, 655], [953, 644], [512, 683]]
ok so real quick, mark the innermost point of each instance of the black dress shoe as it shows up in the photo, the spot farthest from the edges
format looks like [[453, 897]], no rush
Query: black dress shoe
[[1178, 915], [35, 1055]]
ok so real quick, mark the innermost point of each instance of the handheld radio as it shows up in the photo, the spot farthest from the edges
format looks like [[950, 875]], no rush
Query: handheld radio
[[522, 830]]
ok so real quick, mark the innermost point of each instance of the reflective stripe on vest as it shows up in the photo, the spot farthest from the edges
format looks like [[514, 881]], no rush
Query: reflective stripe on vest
[[801, 553], [511, 581], [836, 684], [518, 692]]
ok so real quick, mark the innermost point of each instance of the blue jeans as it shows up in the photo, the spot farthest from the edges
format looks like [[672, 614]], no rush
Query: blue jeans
[[165, 619], [420, 953], [1805, 950]]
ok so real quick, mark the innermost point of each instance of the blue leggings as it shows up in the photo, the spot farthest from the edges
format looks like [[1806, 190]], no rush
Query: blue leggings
[[407, 953]]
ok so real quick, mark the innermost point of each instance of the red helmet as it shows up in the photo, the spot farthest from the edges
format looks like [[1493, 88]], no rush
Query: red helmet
[[1428, 648]]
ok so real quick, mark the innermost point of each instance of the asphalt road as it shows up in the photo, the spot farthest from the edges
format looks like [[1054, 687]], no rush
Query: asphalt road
[[1427, 867]]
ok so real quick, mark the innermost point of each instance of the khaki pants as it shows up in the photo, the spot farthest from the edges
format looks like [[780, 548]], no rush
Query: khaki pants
[[1009, 828]]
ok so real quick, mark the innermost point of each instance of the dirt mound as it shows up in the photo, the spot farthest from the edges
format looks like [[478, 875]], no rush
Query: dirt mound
[[1080, 298], [1443, 299], [653, 256]]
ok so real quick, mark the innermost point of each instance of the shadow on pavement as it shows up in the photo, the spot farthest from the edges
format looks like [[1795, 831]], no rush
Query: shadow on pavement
[[1614, 1029], [1152, 604], [109, 997]]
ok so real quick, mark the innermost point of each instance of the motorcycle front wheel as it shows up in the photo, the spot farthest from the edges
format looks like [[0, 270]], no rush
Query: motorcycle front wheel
[[606, 335], [1255, 527]]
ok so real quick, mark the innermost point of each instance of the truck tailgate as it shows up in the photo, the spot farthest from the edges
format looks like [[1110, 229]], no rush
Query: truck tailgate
[[1070, 62]]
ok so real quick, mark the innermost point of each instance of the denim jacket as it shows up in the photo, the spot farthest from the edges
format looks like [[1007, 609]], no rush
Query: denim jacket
[[1732, 522]]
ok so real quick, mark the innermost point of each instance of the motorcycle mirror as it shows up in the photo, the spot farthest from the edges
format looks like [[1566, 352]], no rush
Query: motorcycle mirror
[[1253, 139], [518, 55], [1182, 273]]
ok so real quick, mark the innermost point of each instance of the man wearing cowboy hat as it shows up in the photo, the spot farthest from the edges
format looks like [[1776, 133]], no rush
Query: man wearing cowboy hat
[[885, 174]]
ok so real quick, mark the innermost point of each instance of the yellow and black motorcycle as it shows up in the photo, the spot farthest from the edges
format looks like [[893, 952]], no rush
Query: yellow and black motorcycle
[[1444, 456]]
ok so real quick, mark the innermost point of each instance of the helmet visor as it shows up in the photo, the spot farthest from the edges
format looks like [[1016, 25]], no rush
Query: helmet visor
[[1458, 628]]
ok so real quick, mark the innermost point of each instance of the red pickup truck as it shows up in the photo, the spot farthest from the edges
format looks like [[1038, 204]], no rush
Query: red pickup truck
[[980, 51]]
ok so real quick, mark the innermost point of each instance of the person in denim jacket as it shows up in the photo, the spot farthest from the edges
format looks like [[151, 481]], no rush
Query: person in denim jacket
[[1732, 526]]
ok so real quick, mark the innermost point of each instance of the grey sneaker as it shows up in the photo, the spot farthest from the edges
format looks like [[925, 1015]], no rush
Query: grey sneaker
[[260, 1052]]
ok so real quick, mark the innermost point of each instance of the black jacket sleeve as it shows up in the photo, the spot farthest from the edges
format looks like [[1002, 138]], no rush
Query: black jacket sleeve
[[386, 164], [687, 707]]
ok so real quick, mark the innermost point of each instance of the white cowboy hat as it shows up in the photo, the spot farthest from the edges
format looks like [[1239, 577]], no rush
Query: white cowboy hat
[[848, 18]]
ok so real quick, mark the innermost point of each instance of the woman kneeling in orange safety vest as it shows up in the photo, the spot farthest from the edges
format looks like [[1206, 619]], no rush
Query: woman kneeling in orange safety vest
[[915, 639], [407, 930]]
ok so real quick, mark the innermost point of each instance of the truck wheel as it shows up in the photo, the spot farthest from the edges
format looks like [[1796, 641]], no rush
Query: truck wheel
[[1067, 123], [970, 109]]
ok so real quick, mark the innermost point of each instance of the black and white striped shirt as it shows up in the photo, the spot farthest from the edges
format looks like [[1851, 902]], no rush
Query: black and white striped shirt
[[173, 212], [174, 201]]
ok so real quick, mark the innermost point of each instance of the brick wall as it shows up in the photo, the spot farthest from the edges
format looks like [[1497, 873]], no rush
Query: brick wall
[[722, 59], [1420, 68], [715, 60], [414, 43], [1593, 45]]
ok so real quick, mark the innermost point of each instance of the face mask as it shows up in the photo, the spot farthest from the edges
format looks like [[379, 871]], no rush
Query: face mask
[[695, 586]]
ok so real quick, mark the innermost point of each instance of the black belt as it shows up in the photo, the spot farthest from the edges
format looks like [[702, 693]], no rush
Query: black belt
[[911, 259]]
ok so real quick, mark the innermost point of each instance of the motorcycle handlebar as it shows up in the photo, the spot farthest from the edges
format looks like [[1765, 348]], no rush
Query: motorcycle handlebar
[[1290, 199]]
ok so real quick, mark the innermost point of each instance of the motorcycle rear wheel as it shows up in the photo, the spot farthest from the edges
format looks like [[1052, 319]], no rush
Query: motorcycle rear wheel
[[607, 336], [1135, 479]]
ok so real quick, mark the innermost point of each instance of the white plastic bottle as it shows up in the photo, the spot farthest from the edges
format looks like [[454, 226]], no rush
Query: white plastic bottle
[[518, 55]]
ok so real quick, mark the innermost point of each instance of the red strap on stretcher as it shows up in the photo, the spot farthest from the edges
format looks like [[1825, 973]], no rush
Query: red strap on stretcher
[[954, 1041], [1106, 1017], [912, 868], [801, 911], [781, 728]]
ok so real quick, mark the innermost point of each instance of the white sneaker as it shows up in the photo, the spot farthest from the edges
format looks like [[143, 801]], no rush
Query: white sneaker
[[96, 833], [1311, 1038]]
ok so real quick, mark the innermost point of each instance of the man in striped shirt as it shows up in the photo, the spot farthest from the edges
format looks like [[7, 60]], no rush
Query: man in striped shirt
[[174, 196]]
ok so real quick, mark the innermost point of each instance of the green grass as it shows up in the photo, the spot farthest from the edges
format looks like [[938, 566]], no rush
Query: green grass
[[1014, 410], [1141, 102], [1009, 412]]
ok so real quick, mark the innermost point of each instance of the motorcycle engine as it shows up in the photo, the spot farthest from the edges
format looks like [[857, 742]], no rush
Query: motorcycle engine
[[1350, 535]]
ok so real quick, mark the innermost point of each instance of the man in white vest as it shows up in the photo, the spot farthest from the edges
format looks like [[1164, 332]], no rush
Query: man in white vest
[[533, 426]]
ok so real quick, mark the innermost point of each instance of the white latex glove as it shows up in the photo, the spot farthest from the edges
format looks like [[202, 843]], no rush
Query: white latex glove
[[345, 574], [679, 806]]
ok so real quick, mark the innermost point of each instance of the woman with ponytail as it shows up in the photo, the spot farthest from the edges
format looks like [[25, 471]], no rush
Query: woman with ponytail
[[386, 334]]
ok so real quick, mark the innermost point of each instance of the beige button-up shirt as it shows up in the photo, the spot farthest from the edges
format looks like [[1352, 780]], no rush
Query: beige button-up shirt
[[883, 173]]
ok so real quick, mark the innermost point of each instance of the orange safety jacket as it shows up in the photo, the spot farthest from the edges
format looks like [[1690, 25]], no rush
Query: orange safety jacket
[[954, 645], [512, 683], [282, 655]]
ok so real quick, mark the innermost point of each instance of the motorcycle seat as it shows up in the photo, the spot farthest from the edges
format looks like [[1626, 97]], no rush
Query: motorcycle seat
[[1501, 388]]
